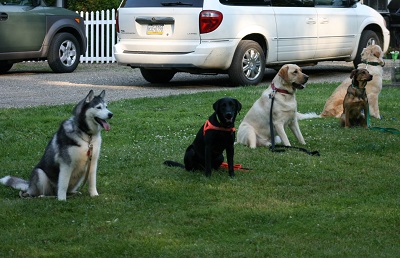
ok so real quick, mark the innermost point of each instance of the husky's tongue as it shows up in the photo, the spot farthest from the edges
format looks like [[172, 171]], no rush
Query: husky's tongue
[[103, 123]]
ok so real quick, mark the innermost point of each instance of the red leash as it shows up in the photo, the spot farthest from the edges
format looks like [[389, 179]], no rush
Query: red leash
[[235, 167]]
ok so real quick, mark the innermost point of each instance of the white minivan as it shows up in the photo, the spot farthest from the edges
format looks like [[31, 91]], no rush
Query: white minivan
[[241, 37]]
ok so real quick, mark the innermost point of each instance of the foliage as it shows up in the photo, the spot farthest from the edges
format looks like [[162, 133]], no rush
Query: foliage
[[89, 5], [344, 203], [92, 5]]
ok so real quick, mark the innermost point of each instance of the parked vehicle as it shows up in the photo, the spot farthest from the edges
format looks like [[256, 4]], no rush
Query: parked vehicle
[[392, 19], [241, 38], [30, 30]]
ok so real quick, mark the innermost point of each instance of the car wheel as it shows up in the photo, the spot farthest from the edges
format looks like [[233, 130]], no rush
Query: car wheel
[[157, 76], [5, 67], [248, 64], [368, 37], [64, 53]]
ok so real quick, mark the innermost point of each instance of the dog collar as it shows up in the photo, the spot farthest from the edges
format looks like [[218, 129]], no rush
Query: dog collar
[[279, 90], [209, 126], [355, 86], [373, 63]]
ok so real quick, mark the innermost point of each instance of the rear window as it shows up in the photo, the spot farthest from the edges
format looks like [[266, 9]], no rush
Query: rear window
[[281, 3], [162, 3], [293, 3], [246, 2]]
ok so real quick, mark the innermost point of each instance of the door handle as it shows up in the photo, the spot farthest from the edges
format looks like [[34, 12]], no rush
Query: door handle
[[3, 16], [324, 20], [311, 21]]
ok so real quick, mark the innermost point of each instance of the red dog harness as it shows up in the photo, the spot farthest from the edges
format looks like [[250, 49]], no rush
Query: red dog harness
[[209, 126]]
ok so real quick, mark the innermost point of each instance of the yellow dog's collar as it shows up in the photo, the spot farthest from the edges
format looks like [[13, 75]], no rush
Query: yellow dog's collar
[[279, 90]]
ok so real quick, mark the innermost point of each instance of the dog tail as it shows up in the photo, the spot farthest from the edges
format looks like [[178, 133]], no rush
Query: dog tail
[[171, 163], [301, 116], [15, 182]]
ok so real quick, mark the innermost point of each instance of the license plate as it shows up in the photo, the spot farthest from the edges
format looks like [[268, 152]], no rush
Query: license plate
[[155, 29]]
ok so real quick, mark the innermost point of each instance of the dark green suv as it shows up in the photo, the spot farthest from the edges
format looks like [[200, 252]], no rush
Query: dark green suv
[[30, 30]]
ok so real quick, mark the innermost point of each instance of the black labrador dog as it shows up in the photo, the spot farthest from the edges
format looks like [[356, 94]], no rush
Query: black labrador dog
[[216, 135]]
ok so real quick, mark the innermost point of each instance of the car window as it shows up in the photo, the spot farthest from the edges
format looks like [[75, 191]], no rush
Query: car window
[[17, 2], [293, 3], [161, 3], [331, 3], [246, 3]]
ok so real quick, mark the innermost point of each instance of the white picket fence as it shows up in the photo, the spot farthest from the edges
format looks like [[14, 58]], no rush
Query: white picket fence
[[101, 36]]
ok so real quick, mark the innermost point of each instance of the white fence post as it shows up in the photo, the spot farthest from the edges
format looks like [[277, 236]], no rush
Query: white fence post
[[101, 36]]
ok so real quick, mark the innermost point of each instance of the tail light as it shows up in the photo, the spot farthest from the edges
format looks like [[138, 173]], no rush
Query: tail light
[[209, 21], [116, 22]]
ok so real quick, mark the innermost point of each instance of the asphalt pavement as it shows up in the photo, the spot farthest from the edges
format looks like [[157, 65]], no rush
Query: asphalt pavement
[[34, 84]]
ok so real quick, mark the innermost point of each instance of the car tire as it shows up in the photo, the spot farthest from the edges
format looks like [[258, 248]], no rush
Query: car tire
[[64, 53], [5, 67], [248, 64], [157, 76], [368, 37]]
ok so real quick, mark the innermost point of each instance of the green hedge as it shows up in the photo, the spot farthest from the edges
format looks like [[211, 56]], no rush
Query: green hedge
[[92, 5], [88, 5]]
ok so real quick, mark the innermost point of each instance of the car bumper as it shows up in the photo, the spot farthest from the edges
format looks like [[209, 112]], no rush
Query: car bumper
[[206, 55]]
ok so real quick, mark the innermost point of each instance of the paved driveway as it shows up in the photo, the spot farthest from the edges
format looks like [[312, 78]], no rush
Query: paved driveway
[[33, 84]]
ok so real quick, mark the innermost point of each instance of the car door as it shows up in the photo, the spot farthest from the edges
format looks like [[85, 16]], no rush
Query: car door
[[296, 23], [22, 27], [337, 28]]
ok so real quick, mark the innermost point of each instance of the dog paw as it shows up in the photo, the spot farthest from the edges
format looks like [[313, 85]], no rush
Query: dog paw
[[46, 196], [70, 194], [25, 195], [94, 194]]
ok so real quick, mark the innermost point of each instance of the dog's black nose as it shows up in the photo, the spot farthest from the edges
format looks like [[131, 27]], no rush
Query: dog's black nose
[[110, 115]]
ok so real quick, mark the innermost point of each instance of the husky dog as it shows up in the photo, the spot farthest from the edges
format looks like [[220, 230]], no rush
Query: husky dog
[[71, 155]]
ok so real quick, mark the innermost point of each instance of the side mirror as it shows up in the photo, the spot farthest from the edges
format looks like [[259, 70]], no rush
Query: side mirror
[[36, 2]]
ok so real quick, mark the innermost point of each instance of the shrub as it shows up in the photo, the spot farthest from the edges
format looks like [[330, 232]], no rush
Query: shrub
[[87, 6]]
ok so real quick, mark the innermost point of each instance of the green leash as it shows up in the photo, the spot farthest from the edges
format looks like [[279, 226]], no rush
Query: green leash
[[380, 129], [386, 130]]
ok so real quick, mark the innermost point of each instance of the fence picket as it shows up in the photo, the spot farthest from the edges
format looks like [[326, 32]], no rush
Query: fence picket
[[101, 36]]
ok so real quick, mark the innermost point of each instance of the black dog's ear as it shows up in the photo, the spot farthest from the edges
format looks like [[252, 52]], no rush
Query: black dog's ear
[[216, 104], [238, 106]]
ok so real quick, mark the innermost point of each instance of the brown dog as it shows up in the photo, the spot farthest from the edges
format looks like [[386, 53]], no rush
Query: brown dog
[[372, 57], [355, 103]]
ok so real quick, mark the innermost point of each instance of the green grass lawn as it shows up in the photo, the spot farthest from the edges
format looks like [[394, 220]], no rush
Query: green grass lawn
[[344, 203]]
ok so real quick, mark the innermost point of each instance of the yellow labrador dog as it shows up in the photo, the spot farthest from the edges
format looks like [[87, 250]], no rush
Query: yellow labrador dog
[[255, 128], [372, 60]]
